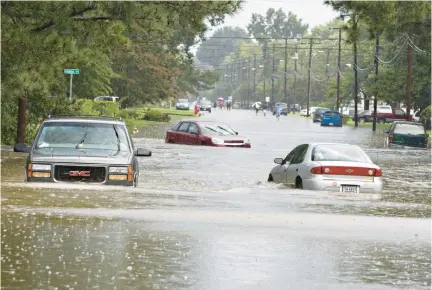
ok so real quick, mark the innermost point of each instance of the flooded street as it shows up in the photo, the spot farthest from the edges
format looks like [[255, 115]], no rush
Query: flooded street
[[206, 218]]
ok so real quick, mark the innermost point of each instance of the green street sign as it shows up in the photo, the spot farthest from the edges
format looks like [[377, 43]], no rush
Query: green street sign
[[71, 71]]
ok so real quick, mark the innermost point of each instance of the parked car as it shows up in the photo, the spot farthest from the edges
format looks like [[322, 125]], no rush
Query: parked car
[[206, 133], [317, 114], [282, 106], [205, 105], [406, 134], [303, 112], [106, 98], [328, 167], [182, 104], [395, 115], [364, 116], [331, 118], [83, 150]]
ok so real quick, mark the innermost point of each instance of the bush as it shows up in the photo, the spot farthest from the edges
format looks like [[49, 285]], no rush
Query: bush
[[345, 119], [130, 124], [425, 117], [109, 109], [155, 115]]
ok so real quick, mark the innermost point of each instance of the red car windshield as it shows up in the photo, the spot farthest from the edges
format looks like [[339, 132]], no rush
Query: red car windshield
[[216, 129]]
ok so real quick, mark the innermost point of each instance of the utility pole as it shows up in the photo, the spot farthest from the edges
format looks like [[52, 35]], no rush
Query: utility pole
[[273, 71], [327, 63], [285, 70], [309, 73], [410, 55], [355, 76], [254, 78], [248, 81], [295, 74], [339, 72], [375, 104], [265, 66]]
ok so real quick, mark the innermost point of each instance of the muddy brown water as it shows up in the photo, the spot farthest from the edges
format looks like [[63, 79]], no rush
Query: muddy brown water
[[206, 218]]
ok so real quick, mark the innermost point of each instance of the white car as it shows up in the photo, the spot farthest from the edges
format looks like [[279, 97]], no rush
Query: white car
[[107, 98], [311, 110], [328, 167]]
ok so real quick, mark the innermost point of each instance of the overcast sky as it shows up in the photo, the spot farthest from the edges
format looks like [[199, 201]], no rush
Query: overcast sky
[[312, 12]]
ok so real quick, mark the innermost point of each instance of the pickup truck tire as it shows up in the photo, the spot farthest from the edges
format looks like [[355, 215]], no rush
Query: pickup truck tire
[[381, 121]]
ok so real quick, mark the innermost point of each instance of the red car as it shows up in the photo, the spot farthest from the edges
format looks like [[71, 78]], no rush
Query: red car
[[205, 133]]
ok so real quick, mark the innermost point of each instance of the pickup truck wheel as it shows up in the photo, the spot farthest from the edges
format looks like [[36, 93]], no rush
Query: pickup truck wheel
[[203, 143], [381, 121]]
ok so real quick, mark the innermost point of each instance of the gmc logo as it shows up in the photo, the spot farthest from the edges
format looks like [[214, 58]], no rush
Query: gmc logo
[[79, 173]]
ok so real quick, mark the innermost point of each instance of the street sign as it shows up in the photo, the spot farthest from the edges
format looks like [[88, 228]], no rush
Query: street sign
[[71, 71]]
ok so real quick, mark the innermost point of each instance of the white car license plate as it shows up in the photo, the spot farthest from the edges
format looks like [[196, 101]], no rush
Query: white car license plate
[[331, 124], [349, 188]]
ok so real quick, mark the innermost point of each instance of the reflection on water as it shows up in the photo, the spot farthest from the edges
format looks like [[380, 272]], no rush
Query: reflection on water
[[45, 251], [41, 252]]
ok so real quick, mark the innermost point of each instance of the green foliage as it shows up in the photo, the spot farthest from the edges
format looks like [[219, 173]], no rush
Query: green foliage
[[126, 48], [109, 109], [346, 119], [425, 115], [155, 115], [130, 124], [276, 24], [214, 50]]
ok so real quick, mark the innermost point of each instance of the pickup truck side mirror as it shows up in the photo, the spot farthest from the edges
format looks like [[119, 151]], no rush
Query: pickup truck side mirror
[[143, 152], [21, 147]]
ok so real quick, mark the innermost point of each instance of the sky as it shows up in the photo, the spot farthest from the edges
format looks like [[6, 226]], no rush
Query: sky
[[312, 12]]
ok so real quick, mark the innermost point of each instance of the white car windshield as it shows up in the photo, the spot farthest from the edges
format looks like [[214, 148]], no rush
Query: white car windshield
[[182, 101], [83, 136], [217, 129], [409, 129], [335, 152]]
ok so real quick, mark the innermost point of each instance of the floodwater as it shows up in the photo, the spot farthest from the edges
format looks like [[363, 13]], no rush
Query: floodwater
[[206, 218]]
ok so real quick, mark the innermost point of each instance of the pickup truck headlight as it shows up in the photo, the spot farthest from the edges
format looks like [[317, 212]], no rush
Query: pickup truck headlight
[[41, 167], [118, 169], [217, 141]]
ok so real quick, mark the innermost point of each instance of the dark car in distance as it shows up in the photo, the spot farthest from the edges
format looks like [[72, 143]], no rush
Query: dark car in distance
[[406, 134], [205, 105], [79, 149], [317, 115], [207, 133]]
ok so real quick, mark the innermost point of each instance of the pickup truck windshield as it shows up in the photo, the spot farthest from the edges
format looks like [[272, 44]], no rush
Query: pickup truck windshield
[[83, 136]]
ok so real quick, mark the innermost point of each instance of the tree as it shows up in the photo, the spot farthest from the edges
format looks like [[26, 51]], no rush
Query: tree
[[224, 41], [398, 22], [40, 39], [276, 24]]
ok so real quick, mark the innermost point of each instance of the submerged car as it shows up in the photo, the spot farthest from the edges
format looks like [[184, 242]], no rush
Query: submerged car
[[406, 134], [206, 133], [328, 167], [83, 149], [331, 118]]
